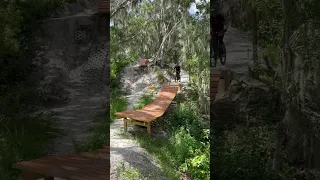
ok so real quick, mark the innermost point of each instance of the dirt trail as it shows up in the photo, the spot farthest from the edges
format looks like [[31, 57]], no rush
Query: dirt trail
[[128, 151], [239, 51]]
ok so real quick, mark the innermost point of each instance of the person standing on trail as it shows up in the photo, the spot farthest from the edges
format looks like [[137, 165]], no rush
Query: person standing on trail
[[218, 28], [177, 68]]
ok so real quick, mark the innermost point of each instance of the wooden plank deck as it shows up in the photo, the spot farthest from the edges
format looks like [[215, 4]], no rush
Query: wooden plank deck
[[219, 82], [104, 7], [152, 111], [81, 166], [214, 84]]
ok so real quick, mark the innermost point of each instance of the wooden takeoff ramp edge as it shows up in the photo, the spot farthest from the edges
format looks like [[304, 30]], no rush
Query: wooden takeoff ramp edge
[[104, 6], [152, 111], [80, 166], [219, 82]]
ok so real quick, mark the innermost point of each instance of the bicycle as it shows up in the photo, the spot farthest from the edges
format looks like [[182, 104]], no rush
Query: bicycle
[[220, 50]]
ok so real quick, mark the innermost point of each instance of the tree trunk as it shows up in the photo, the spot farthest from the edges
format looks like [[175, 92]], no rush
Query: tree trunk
[[286, 59], [162, 32], [185, 41], [254, 36]]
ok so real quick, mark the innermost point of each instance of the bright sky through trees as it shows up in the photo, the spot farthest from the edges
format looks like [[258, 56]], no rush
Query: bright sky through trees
[[192, 10]]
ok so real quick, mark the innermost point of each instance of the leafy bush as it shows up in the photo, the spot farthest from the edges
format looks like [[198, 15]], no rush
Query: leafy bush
[[100, 134], [25, 138], [117, 104], [186, 115], [190, 140], [191, 155], [24, 132], [143, 101], [245, 156], [116, 67], [188, 148], [244, 138], [160, 76]]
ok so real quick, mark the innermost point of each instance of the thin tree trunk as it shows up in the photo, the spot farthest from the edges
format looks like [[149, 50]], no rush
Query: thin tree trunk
[[286, 68], [254, 36]]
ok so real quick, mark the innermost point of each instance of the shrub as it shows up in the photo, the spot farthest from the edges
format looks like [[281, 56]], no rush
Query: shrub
[[117, 104], [192, 156], [160, 76], [143, 101], [24, 132], [100, 135]]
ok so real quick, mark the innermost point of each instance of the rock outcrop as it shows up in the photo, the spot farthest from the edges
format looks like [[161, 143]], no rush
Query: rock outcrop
[[72, 53]]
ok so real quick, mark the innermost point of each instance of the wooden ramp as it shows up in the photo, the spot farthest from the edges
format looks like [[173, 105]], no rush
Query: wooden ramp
[[104, 7], [143, 63], [152, 111], [219, 82], [82, 166]]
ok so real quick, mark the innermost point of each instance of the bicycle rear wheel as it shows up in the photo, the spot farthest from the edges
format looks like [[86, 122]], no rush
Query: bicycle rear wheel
[[223, 54]]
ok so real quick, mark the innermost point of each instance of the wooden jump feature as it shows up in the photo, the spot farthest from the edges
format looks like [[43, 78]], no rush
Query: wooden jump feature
[[143, 63], [81, 166], [152, 111], [104, 7], [219, 82]]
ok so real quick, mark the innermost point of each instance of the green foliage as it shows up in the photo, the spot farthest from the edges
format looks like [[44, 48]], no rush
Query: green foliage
[[123, 173], [117, 104], [144, 28], [160, 76], [143, 101], [191, 155], [24, 132], [100, 134], [188, 148], [18, 17], [166, 30], [186, 115], [245, 154], [22, 138], [244, 139], [10, 19]]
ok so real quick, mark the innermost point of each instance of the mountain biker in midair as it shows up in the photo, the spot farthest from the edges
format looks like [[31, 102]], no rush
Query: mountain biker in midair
[[218, 28]]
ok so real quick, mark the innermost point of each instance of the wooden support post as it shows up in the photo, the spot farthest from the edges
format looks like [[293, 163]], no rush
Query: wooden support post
[[149, 128], [125, 125]]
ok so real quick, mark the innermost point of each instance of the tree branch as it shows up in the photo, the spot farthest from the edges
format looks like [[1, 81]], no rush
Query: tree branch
[[164, 39], [123, 5]]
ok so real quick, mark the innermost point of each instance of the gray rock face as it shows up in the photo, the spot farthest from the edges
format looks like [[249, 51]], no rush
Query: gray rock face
[[72, 50], [69, 9], [73, 53]]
